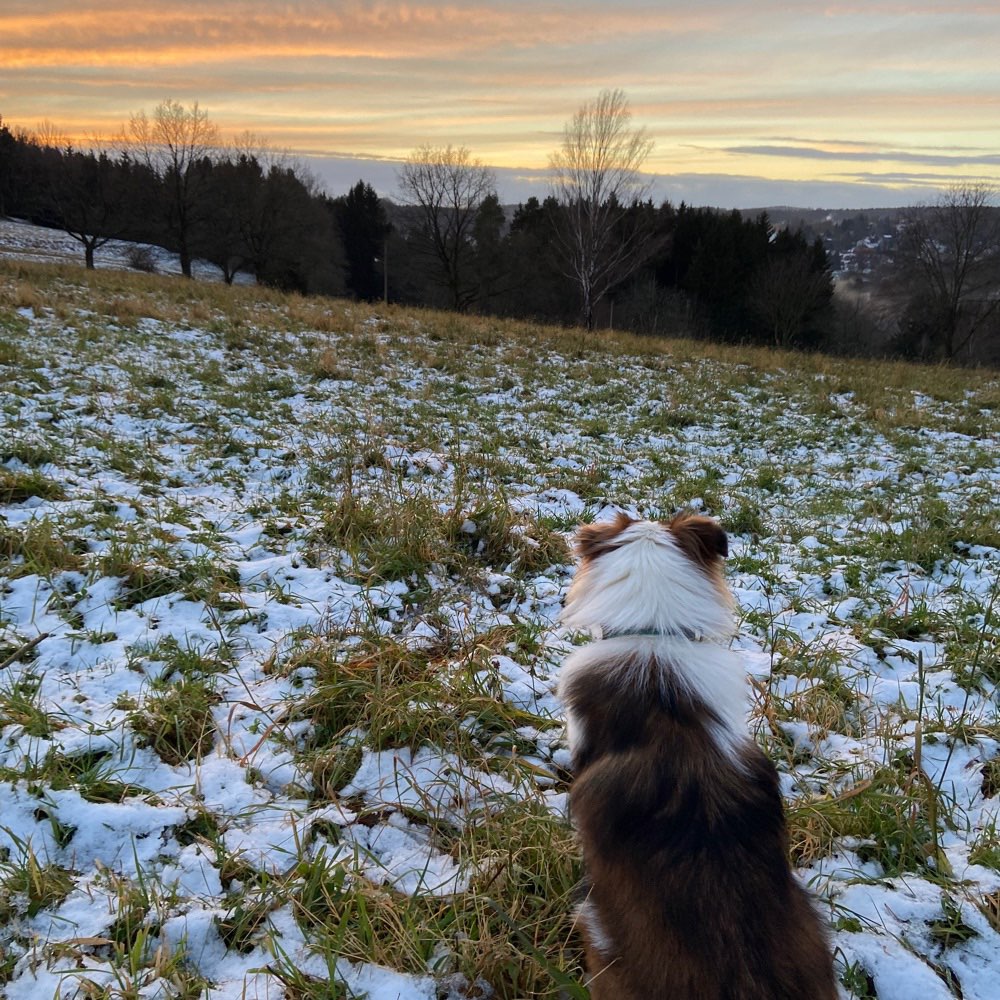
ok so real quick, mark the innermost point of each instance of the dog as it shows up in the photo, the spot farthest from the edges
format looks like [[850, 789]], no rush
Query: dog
[[678, 812]]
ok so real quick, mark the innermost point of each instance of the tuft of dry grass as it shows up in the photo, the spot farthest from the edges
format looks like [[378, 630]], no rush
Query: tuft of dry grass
[[176, 722]]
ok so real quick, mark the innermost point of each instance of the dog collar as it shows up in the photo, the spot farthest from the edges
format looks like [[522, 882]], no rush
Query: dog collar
[[692, 635]]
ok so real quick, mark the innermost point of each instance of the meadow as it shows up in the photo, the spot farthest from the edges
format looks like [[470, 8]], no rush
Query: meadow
[[279, 587]]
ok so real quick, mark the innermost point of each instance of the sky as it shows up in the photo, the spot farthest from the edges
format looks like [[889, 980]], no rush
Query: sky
[[815, 104]]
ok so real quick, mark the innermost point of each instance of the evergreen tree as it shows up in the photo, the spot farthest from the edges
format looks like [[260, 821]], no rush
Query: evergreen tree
[[490, 261], [363, 226]]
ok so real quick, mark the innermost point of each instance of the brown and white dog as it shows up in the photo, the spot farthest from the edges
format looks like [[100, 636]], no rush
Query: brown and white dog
[[691, 896]]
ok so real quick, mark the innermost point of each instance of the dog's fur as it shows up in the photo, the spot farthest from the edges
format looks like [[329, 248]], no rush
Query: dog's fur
[[691, 896]]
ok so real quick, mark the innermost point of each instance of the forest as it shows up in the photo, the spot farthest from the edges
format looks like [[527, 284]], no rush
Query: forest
[[611, 258]]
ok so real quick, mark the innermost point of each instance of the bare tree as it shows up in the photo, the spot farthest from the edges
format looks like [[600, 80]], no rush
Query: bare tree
[[785, 293], [448, 186], [175, 144], [950, 265], [48, 134], [596, 179], [88, 193]]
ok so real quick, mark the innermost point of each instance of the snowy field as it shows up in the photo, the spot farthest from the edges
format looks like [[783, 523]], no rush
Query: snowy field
[[278, 592], [22, 241]]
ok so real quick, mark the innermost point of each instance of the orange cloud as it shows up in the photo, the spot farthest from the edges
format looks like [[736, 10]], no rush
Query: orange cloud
[[135, 35]]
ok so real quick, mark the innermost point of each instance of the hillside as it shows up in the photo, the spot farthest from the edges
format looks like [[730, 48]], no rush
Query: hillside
[[279, 580]]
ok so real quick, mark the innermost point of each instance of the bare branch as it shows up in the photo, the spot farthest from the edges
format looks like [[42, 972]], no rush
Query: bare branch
[[596, 178], [173, 144], [448, 186], [950, 260]]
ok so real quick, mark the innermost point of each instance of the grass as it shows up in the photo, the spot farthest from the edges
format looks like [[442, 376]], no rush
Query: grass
[[22, 705], [28, 884], [391, 535], [39, 548], [399, 696], [513, 929], [176, 721], [16, 486], [890, 817], [272, 537]]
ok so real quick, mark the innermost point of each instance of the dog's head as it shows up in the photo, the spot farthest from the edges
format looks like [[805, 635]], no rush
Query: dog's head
[[660, 576]]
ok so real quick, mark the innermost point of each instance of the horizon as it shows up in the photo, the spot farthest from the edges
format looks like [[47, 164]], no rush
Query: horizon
[[720, 191], [845, 107]]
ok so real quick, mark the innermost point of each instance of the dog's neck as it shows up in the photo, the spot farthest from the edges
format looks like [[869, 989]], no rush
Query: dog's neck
[[681, 632], [648, 585]]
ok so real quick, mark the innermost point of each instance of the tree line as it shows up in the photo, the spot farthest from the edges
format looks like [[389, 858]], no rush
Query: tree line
[[168, 181], [597, 251]]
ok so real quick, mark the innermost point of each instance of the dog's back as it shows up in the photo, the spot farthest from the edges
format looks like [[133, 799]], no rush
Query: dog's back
[[691, 895]]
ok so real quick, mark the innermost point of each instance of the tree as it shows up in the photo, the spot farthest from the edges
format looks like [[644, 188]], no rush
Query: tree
[[9, 148], [448, 187], [25, 166], [537, 286], [223, 243], [284, 231], [596, 178], [725, 252], [363, 227], [490, 261], [293, 232], [177, 144], [950, 265], [791, 289], [88, 193]]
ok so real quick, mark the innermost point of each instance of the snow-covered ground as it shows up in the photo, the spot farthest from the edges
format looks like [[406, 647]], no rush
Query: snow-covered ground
[[220, 509], [20, 240]]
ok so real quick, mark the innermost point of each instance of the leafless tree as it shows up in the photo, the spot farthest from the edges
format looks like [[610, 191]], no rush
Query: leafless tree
[[950, 265], [49, 134], [596, 179], [87, 191], [448, 186], [174, 144], [785, 293]]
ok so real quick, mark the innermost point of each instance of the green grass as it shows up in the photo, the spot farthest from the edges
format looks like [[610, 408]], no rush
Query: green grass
[[21, 704], [40, 547], [389, 534], [176, 721], [94, 774], [29, 885], [892, 815], [18, 486], [513, 929]]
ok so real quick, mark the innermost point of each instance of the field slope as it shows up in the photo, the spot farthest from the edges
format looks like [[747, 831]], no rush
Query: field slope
[[279, 581]]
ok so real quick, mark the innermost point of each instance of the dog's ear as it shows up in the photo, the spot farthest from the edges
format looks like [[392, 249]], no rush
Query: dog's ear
[[594, 539], [702, 540]]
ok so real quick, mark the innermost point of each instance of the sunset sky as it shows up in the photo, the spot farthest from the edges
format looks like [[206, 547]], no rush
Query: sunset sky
[[874, 102]]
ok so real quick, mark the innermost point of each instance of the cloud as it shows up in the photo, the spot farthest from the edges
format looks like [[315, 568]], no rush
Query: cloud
[[870, 155], [720, 190], [234, 30], [937, 181]]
